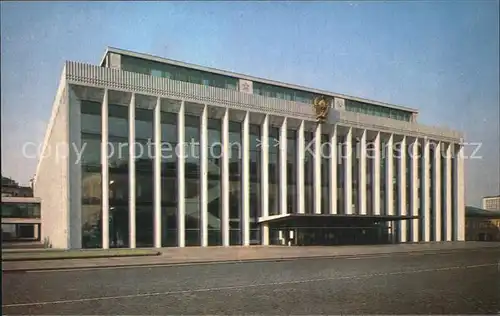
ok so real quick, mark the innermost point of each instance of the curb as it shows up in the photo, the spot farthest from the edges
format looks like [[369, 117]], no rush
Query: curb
[[235, 261], [83, 257]]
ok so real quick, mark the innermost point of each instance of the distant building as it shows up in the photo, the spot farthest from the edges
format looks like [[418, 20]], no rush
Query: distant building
[[12, 188], [491, 203], [481, 225], [21, 219]]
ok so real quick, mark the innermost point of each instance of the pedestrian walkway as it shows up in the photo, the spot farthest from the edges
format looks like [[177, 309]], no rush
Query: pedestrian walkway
[[196, 255]]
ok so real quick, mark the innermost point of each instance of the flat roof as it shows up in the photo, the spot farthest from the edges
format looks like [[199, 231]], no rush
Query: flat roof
[[20, 220], [491, 197], [286, 217], [20, 199], [471, 211], [246, 77]]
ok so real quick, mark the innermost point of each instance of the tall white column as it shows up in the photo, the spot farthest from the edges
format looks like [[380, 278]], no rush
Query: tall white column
[[131, 172], [74, 138], [300, 169], [225, 179], [414, 188], [437, 191], [245, 214], [333, 171], [317, 170], [460, 204], [362, 174], [283, 168], [376, 175], [425, 195], [456, 190], [204, 177], [403, 227], [181, 201], [157, 174], [348, 173], [264, 178], [105, 171], [389, 198], [448, 192]]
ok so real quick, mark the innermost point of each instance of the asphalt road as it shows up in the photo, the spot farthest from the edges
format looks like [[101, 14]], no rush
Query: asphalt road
[[463, 282]]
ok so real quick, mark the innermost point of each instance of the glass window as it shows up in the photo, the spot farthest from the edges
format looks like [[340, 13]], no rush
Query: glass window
[[192, 185], [235, 165], [91, 174], [118, 123], [118, 152], [280, 94], [255, 189], [214, 137], [169, 200], [309, 172], [20, 210], [118, 120], [341, 153], [143, 124], [273, 170], [156, 73], [91, 149], [144, 177], [91, 117], [91, 226], [231, 86], [325, 172], [292, 171], [167, 74], [181, 75], [267, 93], [354, 175], [195, 78], [371, 109]]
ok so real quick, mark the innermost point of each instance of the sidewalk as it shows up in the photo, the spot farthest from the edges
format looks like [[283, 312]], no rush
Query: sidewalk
[[59, 254], [197, 255]]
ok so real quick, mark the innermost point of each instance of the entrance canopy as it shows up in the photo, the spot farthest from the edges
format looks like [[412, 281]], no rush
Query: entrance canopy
[[329, 219]]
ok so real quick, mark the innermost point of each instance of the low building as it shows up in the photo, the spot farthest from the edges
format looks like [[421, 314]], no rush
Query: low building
[[12, 188], [21, 219], [481, 224], [491, 203]]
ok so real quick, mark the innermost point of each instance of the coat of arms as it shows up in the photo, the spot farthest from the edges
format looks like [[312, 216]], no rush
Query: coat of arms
[[321, 106]]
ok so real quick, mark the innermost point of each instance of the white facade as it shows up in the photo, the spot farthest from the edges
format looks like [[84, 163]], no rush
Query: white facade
[[429, 184], [491, 203]]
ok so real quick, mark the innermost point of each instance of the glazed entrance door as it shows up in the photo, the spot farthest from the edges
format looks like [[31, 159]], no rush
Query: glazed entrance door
[[339, 236]]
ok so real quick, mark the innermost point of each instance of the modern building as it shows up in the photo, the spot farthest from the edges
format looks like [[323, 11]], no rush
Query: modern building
[[220, 158], [481, 224], [491, 203]]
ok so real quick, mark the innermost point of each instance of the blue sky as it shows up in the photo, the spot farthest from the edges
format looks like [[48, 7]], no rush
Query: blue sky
[[439, 57]]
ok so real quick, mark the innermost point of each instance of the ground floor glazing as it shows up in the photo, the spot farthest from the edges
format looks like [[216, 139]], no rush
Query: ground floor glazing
[[196, 175]]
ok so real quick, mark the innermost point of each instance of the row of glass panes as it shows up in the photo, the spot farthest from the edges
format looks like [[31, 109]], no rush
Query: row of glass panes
[[372, 109], [282, 93], [209, 79], [178, 73], [173, 72], [20, 210]]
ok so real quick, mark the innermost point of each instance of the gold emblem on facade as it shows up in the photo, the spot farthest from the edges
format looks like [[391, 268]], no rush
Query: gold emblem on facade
[[321, 106]]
